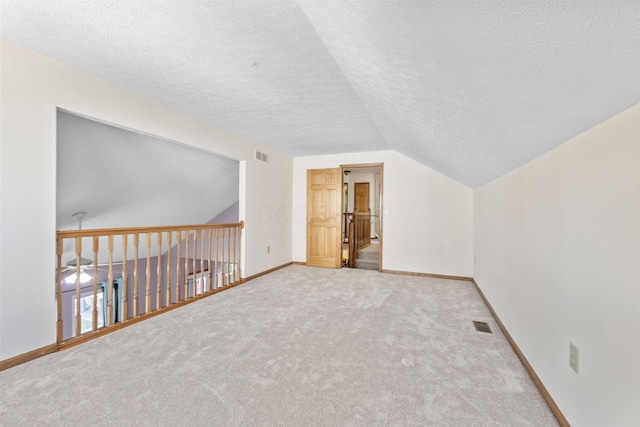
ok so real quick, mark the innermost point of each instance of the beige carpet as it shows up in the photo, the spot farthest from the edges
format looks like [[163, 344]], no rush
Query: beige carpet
[[299, 347]]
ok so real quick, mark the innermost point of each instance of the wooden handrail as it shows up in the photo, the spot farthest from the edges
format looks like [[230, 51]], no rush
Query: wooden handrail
[[358, 233], [59, 253], [125, 301], [109, 286], [78, 319], [147, 292], [363, 229], [133, 230], [83, 310], [353, 254], [96, 249]]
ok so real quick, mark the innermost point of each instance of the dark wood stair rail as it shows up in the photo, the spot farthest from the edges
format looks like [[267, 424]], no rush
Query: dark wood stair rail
[[359, 228]]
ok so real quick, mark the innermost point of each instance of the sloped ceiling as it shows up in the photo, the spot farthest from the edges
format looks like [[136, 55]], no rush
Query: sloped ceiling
[[470, 89], [126, 179]]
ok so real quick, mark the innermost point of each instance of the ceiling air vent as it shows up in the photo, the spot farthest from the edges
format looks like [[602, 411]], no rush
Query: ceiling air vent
[[261, 156]]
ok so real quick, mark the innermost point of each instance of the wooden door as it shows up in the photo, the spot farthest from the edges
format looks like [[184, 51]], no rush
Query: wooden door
[[362, 197], [324, 193]]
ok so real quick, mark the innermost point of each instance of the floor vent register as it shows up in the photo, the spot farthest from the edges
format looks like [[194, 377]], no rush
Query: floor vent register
[[482, 327]]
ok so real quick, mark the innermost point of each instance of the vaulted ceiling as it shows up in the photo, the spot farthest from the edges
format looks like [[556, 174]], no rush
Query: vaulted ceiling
[[127, 179], [471, 89]]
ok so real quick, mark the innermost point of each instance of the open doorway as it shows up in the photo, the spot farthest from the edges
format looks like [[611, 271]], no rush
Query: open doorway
[[362, 202]]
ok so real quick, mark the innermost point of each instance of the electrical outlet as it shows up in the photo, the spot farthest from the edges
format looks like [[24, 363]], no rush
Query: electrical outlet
[[268, 249], [574, 357]]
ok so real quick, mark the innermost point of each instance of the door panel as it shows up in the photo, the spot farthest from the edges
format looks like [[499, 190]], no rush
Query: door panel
[[362, 197], [324, 192]]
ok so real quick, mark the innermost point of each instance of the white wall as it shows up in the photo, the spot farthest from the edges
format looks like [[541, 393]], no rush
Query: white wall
[[558, 256], [33, 86], [429, 226]]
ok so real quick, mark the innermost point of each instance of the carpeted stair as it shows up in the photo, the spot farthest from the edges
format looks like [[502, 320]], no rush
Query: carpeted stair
[[368, 258]]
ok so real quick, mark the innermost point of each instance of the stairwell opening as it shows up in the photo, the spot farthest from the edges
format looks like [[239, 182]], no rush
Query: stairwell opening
[[362, 208]]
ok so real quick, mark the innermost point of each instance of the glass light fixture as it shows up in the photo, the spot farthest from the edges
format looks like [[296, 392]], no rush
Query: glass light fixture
[[84, 278]]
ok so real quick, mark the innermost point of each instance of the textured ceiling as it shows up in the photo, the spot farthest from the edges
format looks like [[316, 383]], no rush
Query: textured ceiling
[[126, 179], [470, 89], [476, 88]]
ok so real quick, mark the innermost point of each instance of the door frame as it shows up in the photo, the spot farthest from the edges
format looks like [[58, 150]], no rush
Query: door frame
[[380, 166]]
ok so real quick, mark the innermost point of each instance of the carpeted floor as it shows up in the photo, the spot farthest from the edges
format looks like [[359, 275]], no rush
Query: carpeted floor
[[301, 346]]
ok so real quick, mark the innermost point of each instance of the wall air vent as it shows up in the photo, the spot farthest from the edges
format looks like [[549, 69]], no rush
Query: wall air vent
[[261, 156]]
